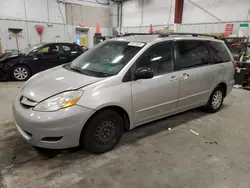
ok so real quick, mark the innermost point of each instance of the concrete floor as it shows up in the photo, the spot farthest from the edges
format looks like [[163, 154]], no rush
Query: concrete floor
[[149, 156]]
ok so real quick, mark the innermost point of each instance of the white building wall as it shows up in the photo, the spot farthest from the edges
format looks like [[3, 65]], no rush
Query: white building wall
[[144, 13], [102, 3], [222, 12], [12, 15], [225, 10], [205, 16], [216, 27], [31, 37], [36, 10]]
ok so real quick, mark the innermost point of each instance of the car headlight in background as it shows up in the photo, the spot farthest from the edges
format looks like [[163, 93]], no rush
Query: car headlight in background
[[62, 100]]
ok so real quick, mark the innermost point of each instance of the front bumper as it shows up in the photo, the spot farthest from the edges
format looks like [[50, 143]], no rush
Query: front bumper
[[55, 130]]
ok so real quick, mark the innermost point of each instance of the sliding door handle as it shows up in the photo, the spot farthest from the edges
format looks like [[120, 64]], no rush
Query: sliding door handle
[[185, 76]]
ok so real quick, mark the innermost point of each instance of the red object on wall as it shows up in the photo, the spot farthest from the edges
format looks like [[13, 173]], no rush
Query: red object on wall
[[39, 30], [150, 28], [97, 29], [82, 24], [228, 30]]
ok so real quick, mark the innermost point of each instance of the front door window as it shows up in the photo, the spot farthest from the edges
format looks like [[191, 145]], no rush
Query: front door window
[[159, 58], [51, 49]]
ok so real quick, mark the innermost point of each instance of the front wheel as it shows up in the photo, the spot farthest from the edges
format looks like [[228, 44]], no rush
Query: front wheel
[[103, 131], [216, 100], [21, 73]]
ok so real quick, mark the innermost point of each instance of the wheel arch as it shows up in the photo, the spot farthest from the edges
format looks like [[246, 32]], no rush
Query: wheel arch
[[223, 85], [121, 111]]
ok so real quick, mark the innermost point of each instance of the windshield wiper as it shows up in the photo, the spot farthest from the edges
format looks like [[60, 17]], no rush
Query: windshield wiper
[[88, 72], [99, 74], [79, 70]]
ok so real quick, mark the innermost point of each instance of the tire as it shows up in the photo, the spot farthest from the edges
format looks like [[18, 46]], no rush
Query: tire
[[102, 132], [21, 73], [215, 100]]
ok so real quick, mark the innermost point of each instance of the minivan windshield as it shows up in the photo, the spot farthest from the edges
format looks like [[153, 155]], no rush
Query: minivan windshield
[[106, 59]]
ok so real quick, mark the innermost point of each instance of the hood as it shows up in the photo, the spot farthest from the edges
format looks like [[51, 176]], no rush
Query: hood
[[53, 81], [6, 56]]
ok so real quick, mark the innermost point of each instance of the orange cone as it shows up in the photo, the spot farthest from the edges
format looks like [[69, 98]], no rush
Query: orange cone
[[97, 29], [150, 28]]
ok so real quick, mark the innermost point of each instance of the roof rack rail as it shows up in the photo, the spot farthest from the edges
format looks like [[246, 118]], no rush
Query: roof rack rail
[[130, 34], [192, 34]]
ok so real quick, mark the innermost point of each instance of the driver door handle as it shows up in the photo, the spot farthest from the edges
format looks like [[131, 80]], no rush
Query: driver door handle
[[173, 78], [62, 57]]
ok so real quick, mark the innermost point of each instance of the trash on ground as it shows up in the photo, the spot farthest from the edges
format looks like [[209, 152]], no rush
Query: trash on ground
[[194, 132], [237, 86]]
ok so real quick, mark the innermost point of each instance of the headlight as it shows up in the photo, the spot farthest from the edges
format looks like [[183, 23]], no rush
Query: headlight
[[62, 100]]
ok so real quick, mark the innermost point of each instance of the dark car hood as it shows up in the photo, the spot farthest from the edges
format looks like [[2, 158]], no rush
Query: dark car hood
[[7, 56], [53, 81]]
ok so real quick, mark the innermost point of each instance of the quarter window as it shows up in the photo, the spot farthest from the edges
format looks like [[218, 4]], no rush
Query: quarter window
[[66, 48], [159, 58], [80, 49], [192, 54]]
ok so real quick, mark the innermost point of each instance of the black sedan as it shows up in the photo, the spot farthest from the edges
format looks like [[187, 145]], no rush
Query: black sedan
[[20, 66]]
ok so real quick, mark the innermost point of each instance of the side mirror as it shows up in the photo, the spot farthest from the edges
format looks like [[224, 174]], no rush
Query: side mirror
[[39, 54], [144, 73], [36, 55]]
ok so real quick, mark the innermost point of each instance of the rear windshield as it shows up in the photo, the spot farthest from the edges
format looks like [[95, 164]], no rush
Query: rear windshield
[[107, 58], [219, 52]]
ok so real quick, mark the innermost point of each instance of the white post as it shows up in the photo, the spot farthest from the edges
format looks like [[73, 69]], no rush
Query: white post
[[177, 27]]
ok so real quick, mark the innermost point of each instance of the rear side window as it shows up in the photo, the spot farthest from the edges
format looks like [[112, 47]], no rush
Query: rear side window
[[79, 49], [192, 54], [66, 48], [219, 52], [74, 48]]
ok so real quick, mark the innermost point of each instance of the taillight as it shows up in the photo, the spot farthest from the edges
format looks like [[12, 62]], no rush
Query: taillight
[[234, 64]]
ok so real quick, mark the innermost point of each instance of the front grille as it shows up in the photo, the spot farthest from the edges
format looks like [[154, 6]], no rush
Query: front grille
[[27, 102]]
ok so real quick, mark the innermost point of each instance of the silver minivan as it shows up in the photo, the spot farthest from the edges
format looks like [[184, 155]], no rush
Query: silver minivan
[[120, 84]]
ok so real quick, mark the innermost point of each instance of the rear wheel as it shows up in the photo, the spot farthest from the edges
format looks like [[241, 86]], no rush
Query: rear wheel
[[103, 131], [216, 100], [21, 73]]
